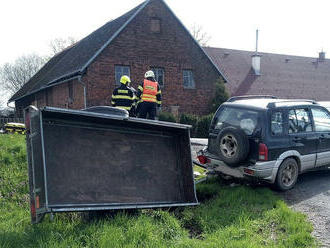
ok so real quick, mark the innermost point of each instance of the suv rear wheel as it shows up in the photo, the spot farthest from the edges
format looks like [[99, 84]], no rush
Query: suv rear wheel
[[287, 174], [233, 146]]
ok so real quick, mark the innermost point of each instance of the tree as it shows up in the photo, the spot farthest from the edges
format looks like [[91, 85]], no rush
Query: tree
[[221, 95], [200, 35], [14, 75], [59, 44]]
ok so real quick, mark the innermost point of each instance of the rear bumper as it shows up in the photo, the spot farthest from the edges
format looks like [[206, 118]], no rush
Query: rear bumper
[[265, 171]]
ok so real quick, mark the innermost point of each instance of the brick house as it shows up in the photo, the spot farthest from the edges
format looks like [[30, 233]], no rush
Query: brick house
[[148, 37]]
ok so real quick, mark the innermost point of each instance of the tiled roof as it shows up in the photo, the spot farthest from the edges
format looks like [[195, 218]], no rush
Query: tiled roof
[[284, 76], [74, 59]]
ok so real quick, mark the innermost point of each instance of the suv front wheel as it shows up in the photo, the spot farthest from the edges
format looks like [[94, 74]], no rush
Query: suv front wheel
[[287, 174]]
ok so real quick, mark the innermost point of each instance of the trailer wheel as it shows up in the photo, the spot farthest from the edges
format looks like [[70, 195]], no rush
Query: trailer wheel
[[233, 146]]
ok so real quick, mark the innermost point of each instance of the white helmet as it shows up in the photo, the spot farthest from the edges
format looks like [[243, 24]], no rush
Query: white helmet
[[149, 74]]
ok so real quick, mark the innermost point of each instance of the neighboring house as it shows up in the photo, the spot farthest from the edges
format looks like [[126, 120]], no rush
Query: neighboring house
[[148, 37], [273, 74]]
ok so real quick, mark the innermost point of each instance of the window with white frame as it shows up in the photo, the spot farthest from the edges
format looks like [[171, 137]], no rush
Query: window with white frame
[[188, 79], [159, 75], [121, 70]]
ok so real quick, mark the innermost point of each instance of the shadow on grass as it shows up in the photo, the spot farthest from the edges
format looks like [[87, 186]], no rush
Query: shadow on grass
[[225, 203]]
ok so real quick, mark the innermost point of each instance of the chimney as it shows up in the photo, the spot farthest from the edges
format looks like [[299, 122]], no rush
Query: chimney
[[256, 58], [256, 63], [322, 56]]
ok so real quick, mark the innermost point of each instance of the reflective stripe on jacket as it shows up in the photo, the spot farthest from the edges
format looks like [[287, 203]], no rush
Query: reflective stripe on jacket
[[150, 90], [123, 98]]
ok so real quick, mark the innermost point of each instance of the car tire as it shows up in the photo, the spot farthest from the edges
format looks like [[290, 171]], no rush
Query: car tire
[[232, 146], [287, 175]]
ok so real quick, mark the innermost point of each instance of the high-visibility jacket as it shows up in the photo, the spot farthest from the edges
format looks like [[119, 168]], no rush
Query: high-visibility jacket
[[149, 91], [123, 97]]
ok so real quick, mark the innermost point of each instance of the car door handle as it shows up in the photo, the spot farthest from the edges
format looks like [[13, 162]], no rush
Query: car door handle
[[322, 136], [297, 139]]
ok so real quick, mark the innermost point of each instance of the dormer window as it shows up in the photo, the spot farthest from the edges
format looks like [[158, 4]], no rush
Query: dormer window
[[155, 25]]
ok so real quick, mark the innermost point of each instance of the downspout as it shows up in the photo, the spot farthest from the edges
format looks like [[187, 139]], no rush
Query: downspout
[[85, 92]]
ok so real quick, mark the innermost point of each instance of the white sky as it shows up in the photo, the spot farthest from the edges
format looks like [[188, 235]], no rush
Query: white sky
[[295, 27]]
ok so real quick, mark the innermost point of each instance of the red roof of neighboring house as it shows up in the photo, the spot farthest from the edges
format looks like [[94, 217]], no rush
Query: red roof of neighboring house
[[284, 76]]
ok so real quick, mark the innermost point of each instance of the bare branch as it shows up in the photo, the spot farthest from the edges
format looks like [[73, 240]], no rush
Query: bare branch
[[200, 35], [59, 44], [14, 75]]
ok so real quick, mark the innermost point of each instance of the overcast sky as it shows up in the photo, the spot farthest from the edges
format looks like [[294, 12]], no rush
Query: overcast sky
[[295, 27]]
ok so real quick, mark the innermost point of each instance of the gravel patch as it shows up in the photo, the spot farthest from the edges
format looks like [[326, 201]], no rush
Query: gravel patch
[[311, 196]]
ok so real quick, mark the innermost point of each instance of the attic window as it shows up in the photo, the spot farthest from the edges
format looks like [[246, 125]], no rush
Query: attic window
[[155, 25]]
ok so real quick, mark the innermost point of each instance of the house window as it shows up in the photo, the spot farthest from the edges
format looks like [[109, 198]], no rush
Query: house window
[[121, 70], [155, 25], [159, 75], [188, 79]]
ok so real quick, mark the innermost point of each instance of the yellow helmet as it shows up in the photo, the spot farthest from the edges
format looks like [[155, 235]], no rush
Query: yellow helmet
[[125, 79]]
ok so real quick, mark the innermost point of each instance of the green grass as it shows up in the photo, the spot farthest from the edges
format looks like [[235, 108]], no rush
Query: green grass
[[227, 217]]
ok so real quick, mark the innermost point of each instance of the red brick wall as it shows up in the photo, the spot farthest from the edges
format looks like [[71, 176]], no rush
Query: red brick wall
[[172, 49], [60, 95], [56, 96]]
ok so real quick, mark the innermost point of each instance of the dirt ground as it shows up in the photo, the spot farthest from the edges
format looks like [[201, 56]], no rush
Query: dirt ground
[[310, 196]]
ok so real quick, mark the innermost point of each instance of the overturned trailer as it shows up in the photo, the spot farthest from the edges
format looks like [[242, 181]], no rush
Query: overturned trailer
[[83, 161]]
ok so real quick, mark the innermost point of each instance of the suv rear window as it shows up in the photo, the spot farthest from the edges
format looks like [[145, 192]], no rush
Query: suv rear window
[[245, 119]]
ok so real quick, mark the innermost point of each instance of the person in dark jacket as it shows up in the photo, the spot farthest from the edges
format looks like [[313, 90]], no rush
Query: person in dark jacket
[[150, 96], [134, 110], [123, 96]]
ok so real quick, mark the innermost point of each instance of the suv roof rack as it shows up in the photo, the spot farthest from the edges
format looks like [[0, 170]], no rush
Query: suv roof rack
[[236, 98], [273, 104]]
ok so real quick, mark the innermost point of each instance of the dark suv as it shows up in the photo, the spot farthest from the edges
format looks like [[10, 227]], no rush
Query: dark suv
[[268, 139]]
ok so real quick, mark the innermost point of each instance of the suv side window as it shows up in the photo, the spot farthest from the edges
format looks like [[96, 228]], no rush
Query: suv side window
[[299, 121], [321, 120], [277, 123]]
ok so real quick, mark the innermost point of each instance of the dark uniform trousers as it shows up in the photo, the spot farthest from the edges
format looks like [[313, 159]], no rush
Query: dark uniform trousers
[[147, 108]]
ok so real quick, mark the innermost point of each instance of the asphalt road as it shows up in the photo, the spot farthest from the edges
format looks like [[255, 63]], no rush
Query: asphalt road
[[310, 196]]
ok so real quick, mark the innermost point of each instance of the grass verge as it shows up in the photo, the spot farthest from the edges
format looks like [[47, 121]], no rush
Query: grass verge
[[227, 217]]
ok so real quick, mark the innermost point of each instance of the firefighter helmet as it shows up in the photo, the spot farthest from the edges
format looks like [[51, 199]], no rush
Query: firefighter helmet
[[149, 74], [125, 79]]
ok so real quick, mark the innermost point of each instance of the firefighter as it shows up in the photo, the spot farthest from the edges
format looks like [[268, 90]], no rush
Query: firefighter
[[134, 109], [150, 97], [123, 96]]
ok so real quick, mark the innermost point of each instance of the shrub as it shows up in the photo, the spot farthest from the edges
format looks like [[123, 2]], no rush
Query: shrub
[[190, 120], [166, 116], [221, 95], [203, 125]]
